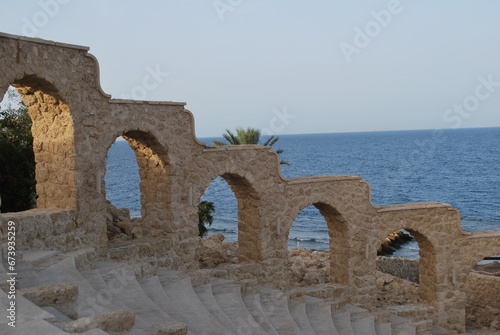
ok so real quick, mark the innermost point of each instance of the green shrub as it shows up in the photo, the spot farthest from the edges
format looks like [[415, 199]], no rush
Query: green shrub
[[17, 161]]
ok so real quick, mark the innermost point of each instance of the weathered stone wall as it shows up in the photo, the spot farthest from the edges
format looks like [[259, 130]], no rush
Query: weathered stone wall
[[483, 303], [399, 267], [47, 229], [75, 123]]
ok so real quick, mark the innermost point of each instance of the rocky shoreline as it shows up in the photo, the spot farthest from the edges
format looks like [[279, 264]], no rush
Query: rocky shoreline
[[393, 242]]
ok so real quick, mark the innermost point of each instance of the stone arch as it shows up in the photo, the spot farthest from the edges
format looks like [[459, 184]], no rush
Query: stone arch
[[53, 142], [480, 253], [427, 265], [249, 221], [155, 185], [338, 233]]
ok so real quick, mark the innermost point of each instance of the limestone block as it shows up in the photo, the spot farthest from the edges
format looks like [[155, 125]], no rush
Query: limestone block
[[170, 328], [116, 321], [61, 296]]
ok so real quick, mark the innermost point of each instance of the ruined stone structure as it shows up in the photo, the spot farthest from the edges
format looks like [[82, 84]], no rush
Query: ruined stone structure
[[75, 123]]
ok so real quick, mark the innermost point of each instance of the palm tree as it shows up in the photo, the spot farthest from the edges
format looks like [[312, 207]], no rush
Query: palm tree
[[248, 136], [205, 210]]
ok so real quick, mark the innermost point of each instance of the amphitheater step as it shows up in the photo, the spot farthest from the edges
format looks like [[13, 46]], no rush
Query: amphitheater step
[[216, 307], [26, 275], [275, 306], [124, 288], [252, 302], [64, 271], [357, 312], [228, 296], [436, 330], [342, 322], [100, 301], [319, 314], [154, 290], [37, 267], [206, 296], [365, 322], [401, 326], [32, 327], [413, 312], [107, 299], [383, 328], [59, 317], [298, 311], [96, 331], [25, 310], [364, 326], [35, 256], [419, 315], [180, 293]]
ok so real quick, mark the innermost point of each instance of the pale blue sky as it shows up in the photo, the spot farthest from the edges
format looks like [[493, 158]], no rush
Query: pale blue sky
[[249, 62]]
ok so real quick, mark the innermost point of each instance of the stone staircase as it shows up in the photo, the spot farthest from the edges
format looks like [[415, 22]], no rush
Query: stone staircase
[[111, 300]]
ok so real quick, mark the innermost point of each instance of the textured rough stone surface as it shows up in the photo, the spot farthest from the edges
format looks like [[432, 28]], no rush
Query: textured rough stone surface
[[399, 267], [116, 321], [483, 302], [47, 228], [74, 125], [392, 291], [61, 296], [309, 267], [170, 328], [215, 251]]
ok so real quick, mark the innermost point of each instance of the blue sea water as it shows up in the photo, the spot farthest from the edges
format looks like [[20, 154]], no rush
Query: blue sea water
[[457, 166]]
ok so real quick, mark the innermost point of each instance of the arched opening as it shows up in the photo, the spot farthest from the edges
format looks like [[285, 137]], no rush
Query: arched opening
[[122, 188], [17, 161], [409, 275], [53, 142], [308, 248], [221, 236], [236, 216], [318, 243], [137, 179], [398, 255], [482, 290], [225, 215]]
